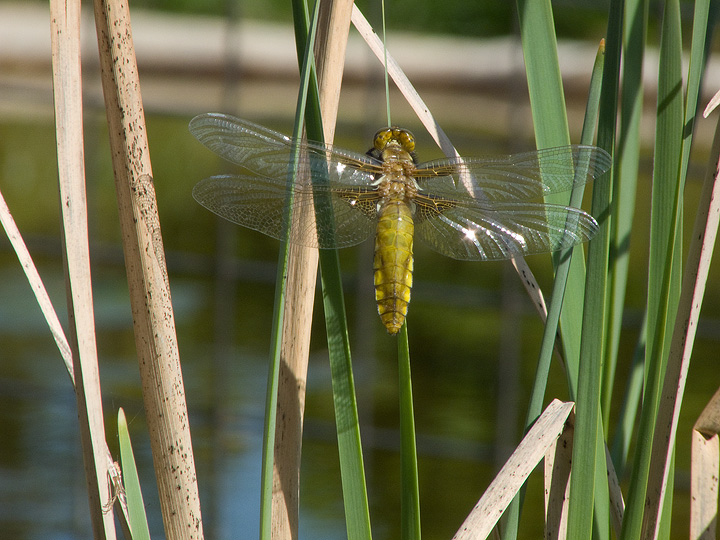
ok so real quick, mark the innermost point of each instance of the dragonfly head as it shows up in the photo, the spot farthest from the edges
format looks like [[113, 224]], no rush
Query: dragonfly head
[[394, 135]]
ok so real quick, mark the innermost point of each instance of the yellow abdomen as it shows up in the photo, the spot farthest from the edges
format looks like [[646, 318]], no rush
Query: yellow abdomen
[[393, 263]]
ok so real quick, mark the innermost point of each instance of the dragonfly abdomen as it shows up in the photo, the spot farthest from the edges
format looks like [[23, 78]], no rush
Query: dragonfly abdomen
[[393, 263]]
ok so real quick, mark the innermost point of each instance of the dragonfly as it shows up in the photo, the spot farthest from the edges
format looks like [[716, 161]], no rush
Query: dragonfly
[[469, 208]]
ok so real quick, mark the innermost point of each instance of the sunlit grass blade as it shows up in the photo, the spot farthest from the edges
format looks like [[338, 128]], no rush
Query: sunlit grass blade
[[547, 99], [547, 103], [627, 158], [561, 275], [664, 258], [131, 483], [548, 344]]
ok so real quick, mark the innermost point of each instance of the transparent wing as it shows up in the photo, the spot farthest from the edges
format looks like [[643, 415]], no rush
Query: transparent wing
[[480, 209], [344, 201], [517, 177], [268, 153], [472, 230], [345, 216]]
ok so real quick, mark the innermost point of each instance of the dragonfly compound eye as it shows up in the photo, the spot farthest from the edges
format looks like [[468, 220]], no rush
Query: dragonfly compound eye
[[382, 138], [406, 139]]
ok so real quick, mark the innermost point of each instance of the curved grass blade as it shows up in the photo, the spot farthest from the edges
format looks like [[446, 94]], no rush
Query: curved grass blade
[[563, 268], [547, 104], [549, 116]]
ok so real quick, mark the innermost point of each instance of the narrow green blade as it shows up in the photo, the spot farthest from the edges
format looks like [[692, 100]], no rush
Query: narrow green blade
[[136, 507], [586, 515], [410, 504]]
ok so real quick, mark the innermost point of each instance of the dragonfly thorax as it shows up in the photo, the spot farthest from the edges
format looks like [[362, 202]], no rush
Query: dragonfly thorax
[[396, 187], [396, 154]]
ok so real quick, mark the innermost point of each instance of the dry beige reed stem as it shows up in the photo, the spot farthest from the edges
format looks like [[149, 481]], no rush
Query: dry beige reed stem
[[67, 91], [705, 472], [153, 318]]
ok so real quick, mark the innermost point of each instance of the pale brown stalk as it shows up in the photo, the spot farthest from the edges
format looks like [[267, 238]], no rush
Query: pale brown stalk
[[153, 318], [558, 460], [67, 88], [705, 472]]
